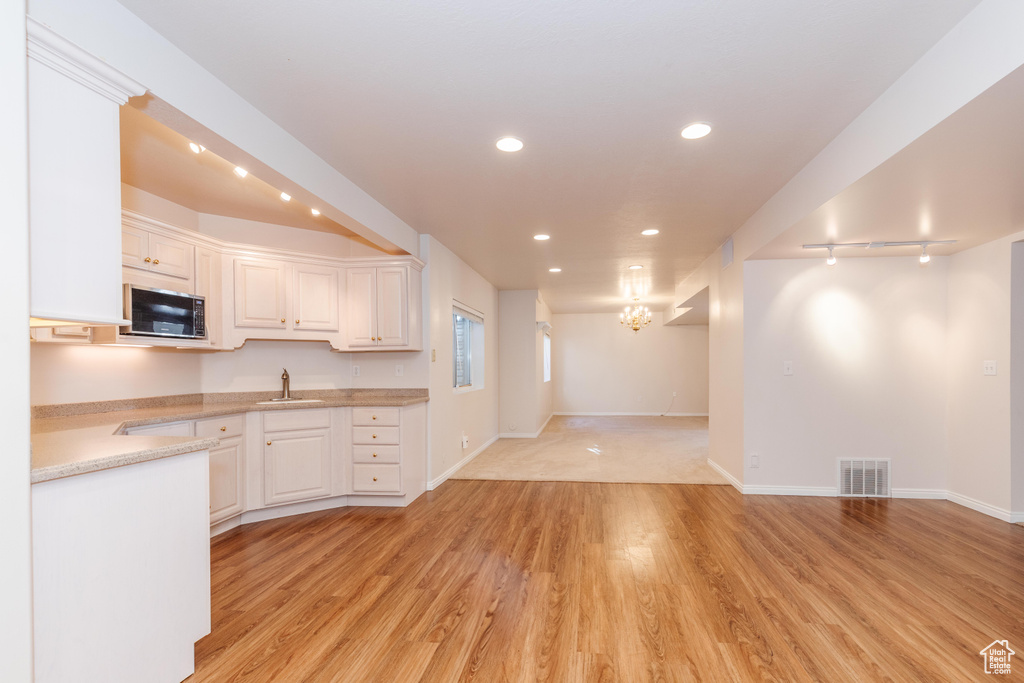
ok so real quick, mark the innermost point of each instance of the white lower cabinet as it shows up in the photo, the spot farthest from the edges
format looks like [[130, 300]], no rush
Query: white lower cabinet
[[297, 455], [376, 450], [227, 465]]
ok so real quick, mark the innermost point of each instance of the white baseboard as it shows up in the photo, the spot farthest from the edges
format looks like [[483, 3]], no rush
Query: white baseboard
[[984, 508], [736, 483], [920, 494], [633, 414], [821, 491], [443, 477], [527, 435]]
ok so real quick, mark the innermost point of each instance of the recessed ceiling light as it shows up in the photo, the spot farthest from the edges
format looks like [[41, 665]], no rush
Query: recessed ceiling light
[[509, 144], [554, 270], [635, 267], [650, 231], [240, 172], [286, 197], [314, 212], [541, 238], [196, 147], [696, 130]]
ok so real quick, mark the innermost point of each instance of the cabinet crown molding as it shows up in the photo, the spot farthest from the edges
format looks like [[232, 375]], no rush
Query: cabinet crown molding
[[60, 54]]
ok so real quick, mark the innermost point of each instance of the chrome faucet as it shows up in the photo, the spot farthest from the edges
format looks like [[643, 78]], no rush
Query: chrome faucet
[[286, 394]]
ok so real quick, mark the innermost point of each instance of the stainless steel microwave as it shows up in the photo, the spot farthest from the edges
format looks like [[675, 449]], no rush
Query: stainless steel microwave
[[163, 313]]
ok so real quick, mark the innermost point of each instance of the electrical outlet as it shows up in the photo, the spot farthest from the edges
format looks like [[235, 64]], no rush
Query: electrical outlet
[[787, 368], [755, 461], [674, 394], [988, 368], [399, 371], [355, 370], [465, 441]]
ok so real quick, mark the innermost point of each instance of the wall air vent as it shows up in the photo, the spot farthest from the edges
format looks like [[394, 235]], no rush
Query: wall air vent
[[864, 478]]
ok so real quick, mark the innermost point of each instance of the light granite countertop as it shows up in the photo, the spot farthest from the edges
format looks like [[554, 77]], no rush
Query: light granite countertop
[[76, 438]]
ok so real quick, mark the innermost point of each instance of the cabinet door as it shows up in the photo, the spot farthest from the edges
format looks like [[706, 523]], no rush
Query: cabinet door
[[362, 306], [207, 285], [134, 247], [226, 477], [393, 306], [259, 293], [315, 297], [297, 466], [170, 256]]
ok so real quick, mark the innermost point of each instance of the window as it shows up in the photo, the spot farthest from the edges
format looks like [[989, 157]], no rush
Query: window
[[547, 357], [467, 347]]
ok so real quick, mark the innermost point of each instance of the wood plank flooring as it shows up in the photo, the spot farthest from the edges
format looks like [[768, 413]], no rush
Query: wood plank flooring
[[534, 581]]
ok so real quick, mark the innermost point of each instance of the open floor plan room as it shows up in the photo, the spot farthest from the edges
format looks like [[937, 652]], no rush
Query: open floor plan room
[[567, 341]]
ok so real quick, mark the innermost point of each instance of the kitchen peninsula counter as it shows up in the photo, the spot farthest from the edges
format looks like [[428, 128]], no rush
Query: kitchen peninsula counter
[[76, 438]]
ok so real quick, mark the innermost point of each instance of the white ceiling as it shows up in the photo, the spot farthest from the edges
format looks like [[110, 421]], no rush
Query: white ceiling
[[407, 98], [961, 180]]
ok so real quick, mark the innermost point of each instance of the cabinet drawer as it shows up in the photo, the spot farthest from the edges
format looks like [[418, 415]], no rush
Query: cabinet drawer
[[283, 420], [375, 435], [376, 454], [221, 427], [376, 478], [168, 429], [372, 417]]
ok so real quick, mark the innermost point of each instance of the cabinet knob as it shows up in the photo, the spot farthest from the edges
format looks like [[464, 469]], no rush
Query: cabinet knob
[[223, 429], [375, 436], [374, 417], [282, 319], [147, 259], [375, 478], [375, 455], [268, 443], [296, 322], [156, 262]]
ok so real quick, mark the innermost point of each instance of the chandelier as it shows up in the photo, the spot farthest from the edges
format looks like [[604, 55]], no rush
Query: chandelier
[[636, 317]]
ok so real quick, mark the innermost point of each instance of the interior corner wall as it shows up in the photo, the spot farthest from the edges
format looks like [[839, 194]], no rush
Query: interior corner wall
[[545, 390], [867, 340], [453, 414], [1017, 379], [600, 368], [979, 406], [517, 329]]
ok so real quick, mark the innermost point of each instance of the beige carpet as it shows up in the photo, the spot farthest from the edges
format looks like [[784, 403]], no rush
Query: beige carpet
[[657, 450]]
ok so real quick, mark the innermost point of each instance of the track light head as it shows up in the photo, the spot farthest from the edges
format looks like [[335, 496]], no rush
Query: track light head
[[925, 258], [831, 260]]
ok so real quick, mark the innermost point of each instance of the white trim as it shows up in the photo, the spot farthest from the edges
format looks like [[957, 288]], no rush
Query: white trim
[[978, 506], [528, 435], [60, 54], [434, 483], [1016, 517], [736, 483], [820, 491], [919, 494], [633, 414]]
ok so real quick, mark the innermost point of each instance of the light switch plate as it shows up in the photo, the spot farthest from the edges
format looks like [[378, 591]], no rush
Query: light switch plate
[[355, 370], [755, 461], [787, 368], [988, 368]]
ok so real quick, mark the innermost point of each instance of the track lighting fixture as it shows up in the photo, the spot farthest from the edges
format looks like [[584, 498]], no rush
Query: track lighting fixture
[[831, 260], [924, 244], [925, 258]]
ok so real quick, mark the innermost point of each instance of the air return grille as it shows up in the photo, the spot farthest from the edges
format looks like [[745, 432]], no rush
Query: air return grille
[[864, 478]]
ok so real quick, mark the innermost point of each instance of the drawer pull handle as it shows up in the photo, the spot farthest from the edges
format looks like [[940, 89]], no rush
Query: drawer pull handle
[[282, 319], [223, 429], [375, 455], [375, 478], [268, 443], [156, 262], [374, 417], [375, 436], [148, 260], [296, 322]]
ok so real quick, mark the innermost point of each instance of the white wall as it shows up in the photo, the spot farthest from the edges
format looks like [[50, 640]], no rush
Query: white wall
[[599, 367], [867, 339], [15, 532], [979, 51], [452, 414], [517, 328], [545, 401], [979, 406]]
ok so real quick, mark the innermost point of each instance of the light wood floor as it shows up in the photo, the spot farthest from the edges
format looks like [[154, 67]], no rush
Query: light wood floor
[[530, 581]]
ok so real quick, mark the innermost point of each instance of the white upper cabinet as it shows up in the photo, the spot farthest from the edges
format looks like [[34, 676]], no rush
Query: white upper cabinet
[[383, 308], [260, 296], [156, 253], [315, 297], [74, 180]]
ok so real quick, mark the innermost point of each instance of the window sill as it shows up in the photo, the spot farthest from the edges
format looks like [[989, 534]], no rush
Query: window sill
[[467, 389]]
